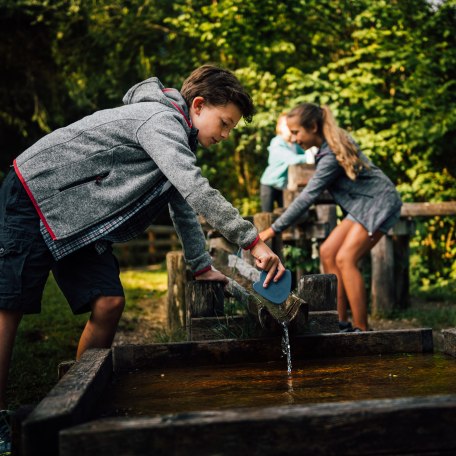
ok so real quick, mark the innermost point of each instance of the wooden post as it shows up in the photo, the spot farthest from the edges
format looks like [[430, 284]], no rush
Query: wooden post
[[401, 248], [383, 286], [177, 279], [204, 298], [319, 291]]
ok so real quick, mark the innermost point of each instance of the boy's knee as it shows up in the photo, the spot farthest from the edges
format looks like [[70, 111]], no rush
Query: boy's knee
[[109, 306]]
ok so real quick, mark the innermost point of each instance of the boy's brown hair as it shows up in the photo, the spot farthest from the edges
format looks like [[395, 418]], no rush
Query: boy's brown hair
[[218, 87]]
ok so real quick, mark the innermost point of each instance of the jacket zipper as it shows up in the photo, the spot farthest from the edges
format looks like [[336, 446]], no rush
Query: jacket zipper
[[97, 179]]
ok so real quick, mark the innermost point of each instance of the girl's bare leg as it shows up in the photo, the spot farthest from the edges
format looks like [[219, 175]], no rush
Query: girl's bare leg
[[356, 244], [328, 253]]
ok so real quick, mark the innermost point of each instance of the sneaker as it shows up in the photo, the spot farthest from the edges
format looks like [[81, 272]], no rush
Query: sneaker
[[345, 327], [5, 433]]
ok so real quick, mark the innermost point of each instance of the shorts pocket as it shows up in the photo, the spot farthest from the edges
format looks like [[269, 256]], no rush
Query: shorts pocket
[[13, 253]]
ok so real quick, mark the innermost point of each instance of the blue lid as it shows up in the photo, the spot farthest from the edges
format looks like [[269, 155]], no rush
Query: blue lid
[[276, 292]]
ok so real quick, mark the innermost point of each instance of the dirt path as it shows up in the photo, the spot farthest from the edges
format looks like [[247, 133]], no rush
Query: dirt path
[[145, 324]]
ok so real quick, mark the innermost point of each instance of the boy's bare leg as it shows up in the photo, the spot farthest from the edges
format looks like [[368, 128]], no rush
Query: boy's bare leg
[[356, 244], [9, 322], [101, 327], [328, 253]]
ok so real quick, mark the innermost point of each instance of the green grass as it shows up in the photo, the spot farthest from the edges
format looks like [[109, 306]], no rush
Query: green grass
[[46, 339], [432, 307]]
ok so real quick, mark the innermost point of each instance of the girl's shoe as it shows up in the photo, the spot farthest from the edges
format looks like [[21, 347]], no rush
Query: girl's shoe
[[345, 327]]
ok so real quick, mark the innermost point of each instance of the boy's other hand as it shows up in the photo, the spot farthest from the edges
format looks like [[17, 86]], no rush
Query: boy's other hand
[[267, 234], [214, 275], [267, 260]]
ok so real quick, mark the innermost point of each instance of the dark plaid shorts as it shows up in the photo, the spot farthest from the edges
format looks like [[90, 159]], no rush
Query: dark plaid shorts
[[25, 261]]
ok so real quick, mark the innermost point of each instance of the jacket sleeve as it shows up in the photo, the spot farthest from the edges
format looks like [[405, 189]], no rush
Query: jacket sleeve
[[327, 171], [190, 233], [164, 138], [285, 155]]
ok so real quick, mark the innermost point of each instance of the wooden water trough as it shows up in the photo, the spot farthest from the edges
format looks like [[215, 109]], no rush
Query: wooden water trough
[[65, 422]]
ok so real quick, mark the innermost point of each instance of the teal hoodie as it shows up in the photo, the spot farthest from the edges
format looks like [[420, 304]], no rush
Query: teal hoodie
[[281, 156]]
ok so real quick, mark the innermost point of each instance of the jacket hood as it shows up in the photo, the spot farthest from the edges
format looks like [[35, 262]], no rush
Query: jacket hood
[[152, 90]]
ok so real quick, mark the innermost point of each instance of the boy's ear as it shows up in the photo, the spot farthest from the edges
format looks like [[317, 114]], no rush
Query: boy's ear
[[197, 104]]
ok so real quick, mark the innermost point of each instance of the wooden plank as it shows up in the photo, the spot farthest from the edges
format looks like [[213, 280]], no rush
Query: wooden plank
[[323, 321], [428, 209], [319, 291], [289, 196], [269, 349], [449, 341], [224, 327], [177, 279], [299, 175], [203, 298], [382, 279], [69, 403], [417, 425]]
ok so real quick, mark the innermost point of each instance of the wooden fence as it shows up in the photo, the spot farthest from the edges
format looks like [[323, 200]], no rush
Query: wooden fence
[[151, 247]]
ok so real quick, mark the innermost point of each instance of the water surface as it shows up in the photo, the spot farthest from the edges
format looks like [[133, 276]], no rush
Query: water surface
[[218, 387]]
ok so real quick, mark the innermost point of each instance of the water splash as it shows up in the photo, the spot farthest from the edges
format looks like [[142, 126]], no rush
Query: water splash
[[286, 346]]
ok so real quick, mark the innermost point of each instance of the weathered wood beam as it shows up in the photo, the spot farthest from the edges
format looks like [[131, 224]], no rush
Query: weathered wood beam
[[428, 209], [69, 403], [177, 279], [182, 354]]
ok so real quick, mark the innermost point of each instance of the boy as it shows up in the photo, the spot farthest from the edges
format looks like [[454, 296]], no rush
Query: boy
[[102, 180]]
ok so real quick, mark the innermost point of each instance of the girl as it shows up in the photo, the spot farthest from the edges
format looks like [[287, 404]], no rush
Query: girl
[[367, 197]]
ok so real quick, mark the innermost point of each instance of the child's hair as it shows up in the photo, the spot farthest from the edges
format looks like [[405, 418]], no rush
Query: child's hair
[[282, 128], [338, 140], [218, 87]]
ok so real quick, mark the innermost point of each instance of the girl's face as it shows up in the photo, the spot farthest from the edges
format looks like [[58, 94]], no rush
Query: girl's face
[[213, 122], [306, 138]]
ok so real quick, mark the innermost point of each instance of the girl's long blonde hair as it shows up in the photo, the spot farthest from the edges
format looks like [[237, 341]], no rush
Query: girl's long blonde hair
[[338, 140]]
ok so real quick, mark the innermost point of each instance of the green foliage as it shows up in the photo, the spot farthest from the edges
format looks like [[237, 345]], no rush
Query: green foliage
[[304, 258], [385, 68]]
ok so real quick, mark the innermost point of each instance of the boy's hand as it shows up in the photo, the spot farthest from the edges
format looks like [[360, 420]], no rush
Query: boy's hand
[[266, 259], [267, 234], [213, 274]]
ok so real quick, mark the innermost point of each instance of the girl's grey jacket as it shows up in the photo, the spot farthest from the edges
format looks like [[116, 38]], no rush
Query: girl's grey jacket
[[98, 166], [371, 199]]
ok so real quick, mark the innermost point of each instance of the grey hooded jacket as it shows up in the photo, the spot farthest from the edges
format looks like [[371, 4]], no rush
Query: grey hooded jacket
[[96, 167], [371, 198]]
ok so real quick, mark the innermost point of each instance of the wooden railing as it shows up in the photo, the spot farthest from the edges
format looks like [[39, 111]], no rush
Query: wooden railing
[[151, 247]]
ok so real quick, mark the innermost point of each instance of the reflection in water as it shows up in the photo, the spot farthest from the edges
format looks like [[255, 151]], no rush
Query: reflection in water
[[217, 387]]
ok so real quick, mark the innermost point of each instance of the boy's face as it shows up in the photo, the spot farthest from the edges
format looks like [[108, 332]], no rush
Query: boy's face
[[213, 122]]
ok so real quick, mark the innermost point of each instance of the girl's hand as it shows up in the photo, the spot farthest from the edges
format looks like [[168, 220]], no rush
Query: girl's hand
[[267, 234], [266, 259], [214, 275]]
